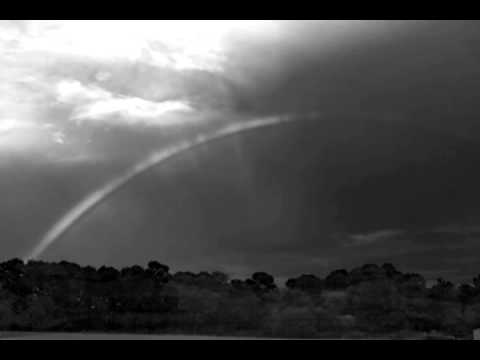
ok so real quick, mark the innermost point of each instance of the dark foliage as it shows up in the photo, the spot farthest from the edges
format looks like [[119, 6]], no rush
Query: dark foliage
[[367, 300], [308, 283]]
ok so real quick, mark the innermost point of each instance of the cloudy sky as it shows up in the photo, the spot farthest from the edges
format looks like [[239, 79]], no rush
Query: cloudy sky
[[385, 169]]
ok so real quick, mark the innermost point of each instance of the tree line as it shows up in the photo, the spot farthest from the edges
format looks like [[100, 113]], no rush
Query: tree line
[[370, 300]]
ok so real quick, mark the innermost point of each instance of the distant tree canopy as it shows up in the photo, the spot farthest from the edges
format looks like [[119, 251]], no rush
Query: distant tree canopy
[[306, 282], [65, 296]]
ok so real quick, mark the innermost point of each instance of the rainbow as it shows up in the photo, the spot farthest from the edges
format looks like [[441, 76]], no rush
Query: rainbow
[[97, 197]]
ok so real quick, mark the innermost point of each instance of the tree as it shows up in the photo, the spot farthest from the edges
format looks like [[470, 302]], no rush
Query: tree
[[367, 272], [155, 266], [107, 273], [390, 270], [292, 322], [411, 284], [306, 282], [261, 281], [377, 304], [132, 271], [466, 294], [476, 282], [7, 315], [442, 290], [263, 278], [338, 279], [220, 277]]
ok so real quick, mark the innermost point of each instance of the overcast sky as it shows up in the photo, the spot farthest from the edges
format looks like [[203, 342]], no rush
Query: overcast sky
[[385, 171]]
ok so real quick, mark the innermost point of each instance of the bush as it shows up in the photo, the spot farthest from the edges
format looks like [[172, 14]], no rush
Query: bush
[[245, 312], [7, 316], [326, 321], [378, 306], [296, 298], [335, 301], [292, 322]]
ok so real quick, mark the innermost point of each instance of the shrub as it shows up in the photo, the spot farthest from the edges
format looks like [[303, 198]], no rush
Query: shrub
[[7, 316], [292, 322], [377, 305], [245, 312], [326, 321]]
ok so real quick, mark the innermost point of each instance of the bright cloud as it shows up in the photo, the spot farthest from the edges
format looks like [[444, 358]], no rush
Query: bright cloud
[[73, 92], [17, 136], [94, 103], [133, 110], [59, 137], [9, 125], [58, 75], [373, 237], [177, 44]]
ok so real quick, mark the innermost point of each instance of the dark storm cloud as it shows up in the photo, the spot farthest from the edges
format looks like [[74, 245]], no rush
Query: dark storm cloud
[[34, 194], [289, 202], [389, 160], [413, 69]]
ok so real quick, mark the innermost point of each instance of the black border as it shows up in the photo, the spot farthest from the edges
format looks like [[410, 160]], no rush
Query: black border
[[160, 10]]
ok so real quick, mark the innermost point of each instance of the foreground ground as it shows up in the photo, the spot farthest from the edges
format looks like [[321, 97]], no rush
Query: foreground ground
[[17, 335], [103, 336]]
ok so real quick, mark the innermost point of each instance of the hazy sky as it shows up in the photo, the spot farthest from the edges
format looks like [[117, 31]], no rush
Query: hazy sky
[[385, 171]]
